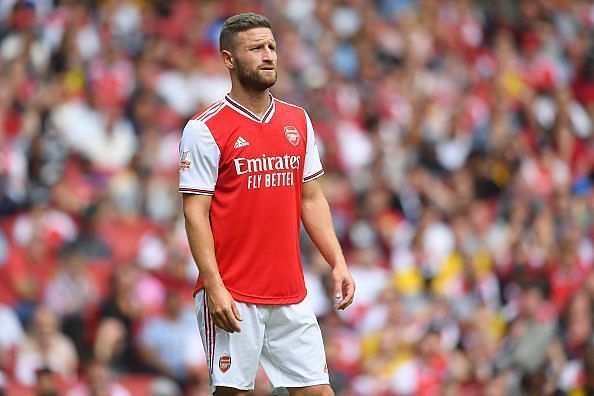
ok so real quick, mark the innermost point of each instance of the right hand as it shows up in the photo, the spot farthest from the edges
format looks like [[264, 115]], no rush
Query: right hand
[[223, 309]]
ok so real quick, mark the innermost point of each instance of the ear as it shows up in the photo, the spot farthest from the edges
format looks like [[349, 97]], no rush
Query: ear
[[228, 59]]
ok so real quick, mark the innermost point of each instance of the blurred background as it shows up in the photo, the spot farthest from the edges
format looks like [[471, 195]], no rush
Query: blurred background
[[457, 141]]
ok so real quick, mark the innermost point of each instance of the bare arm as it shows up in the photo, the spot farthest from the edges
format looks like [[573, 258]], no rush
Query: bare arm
[[152, 358], [221, 305], [316, 217]]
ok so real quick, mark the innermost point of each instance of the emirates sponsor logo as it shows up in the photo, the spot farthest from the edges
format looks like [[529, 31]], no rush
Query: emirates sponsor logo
[[292, 135], [225, 363], [266, 164], [265, 171]]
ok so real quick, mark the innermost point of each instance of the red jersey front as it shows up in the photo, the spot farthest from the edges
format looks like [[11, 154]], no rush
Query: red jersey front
[[254, 169]]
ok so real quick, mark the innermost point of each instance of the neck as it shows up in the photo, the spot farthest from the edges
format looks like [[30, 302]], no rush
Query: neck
[[256, 102]]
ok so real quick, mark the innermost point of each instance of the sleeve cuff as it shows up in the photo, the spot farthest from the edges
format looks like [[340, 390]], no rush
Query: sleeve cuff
[[188, 190], [313, 176]]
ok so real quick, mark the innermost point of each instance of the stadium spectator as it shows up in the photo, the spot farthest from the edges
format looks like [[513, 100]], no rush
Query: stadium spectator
[[98, 381], [46, 383], [69, 294], [165, 341], [118, 320], [45, 346]]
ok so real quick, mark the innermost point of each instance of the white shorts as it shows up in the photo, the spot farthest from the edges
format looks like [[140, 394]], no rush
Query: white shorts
[[285, 339]]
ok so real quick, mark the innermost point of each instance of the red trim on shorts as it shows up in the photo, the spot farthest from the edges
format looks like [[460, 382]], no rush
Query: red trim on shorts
[[210, 335], [214, 340], [207, 332]]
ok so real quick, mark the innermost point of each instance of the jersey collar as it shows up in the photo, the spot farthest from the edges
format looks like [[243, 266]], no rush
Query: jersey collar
[[242, 110]]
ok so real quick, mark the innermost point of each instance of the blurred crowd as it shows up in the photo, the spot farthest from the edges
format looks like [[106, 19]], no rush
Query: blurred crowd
[[457, 141]]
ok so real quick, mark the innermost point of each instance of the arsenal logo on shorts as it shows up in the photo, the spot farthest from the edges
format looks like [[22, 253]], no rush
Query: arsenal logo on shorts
[[292, 135], [225, 363]]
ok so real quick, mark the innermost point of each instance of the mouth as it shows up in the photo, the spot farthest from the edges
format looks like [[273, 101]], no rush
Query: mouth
[[268, 68]]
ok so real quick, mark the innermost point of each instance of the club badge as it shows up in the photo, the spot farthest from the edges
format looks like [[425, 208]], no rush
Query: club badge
[[225, 363], [292, 135]]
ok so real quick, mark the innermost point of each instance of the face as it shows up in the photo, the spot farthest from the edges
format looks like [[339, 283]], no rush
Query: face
[[254, 59]]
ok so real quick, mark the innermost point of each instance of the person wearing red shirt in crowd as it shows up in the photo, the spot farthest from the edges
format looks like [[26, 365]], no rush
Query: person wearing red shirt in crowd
[[248, 173]]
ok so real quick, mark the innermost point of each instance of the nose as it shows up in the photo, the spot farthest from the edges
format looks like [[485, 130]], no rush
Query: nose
[[268, 55]]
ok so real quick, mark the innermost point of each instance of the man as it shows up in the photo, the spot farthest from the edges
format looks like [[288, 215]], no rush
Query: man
[[165, 339], [99, 381], [45, 347], [248, 173]]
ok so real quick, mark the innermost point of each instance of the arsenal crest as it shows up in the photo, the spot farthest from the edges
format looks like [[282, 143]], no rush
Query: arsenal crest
[[292, 135], [185, 162], [225, 363]]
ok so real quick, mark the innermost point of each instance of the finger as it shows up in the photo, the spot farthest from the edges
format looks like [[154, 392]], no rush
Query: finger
[[233, 323], [222, 322], [346, 304], [236, 311], [338, 291], [348, 297], [338, 296]]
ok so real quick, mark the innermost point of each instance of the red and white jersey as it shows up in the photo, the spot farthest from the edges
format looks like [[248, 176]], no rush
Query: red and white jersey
[[254, 169]]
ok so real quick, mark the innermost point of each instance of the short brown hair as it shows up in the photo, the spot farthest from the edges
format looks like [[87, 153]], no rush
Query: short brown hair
[[239, 23]]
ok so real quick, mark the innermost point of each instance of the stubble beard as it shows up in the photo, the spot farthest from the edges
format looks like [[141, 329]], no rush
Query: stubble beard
[[253, 80]]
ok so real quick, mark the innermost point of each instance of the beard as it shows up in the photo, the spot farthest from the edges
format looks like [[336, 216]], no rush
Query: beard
[[252, 79]]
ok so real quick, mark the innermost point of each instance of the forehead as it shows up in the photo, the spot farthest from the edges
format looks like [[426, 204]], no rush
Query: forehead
[[255, 35]]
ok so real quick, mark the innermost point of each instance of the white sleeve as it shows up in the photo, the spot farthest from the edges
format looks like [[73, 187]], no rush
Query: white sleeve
[[199, 159], [313, 166]]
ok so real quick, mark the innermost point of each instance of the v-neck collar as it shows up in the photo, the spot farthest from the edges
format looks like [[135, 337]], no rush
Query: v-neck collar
[[244, 111]]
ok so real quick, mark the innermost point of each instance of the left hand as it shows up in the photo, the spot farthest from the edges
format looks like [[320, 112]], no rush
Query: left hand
[[344, 287]]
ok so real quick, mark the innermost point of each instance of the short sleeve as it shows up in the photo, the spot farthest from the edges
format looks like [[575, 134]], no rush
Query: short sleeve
[[199, 160], [313, 166]]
